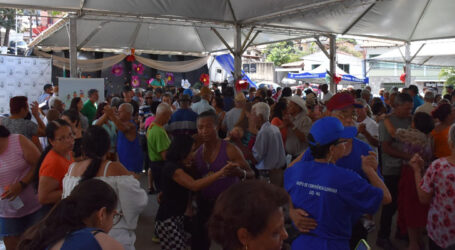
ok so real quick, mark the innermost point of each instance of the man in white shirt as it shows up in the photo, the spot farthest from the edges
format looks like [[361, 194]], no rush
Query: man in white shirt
[[367, 127], [268, 150], [203, 105], [232, 116], [325, 94], [428, 106]]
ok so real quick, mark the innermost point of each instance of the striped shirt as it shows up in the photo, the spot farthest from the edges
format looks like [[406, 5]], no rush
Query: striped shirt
[[183, 121], [13, 168]]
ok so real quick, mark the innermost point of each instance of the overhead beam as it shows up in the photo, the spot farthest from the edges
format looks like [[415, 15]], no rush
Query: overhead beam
[[246, 38], [73, 45], [412, 58], [251, 41], [91, 35], [294, 10], [134, 35], [318, 42], [358, 19], [222, 40], [232, 11], [199, 38], [426, 60], [420, 18]]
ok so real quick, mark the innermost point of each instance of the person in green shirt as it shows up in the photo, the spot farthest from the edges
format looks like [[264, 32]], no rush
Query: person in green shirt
[[158, 142], [158, 82], [89, 108]]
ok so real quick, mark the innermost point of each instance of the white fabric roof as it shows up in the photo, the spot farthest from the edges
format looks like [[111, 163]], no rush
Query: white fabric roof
[[441, 53], [405, 20]]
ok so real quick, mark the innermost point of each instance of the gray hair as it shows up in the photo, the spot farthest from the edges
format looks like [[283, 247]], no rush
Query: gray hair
[[128, 107], [429, 96], [262, 109], [163, 108], [52, 101], [116, 101]]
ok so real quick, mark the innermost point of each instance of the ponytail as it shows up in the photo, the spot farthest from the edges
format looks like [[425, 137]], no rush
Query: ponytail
[[95, 144]]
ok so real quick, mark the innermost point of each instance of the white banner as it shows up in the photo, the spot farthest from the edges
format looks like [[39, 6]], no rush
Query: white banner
[[22, 76], [68, 88]]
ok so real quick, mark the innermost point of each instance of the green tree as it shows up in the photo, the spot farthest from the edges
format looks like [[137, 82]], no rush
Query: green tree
[[8, 21], [283, 52]]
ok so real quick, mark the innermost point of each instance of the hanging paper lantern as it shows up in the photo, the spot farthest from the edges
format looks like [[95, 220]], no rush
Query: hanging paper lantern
[[138, 68], [150, 81], [241, 85], [204, 79], [403, 77], [135, 81], [117, 70], [131, 57], [169, 78]]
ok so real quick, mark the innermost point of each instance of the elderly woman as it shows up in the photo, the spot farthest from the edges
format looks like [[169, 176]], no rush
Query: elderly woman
[[249, 215], [298, 125], [334, 196], [437, 187]]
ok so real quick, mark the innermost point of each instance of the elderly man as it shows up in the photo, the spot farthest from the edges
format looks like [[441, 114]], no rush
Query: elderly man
[[298, 125], [128, 145], [203, 105], [183, 121], [158, 142], [90, 106], [268, 149], [232, 116], [56, 105], [367, 127], [325, 94], [428, 106]]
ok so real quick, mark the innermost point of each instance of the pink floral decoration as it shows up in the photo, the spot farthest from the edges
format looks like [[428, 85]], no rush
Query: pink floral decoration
[[150, 81], [170, 78], [135, 81], [117, 70], [138, 68]]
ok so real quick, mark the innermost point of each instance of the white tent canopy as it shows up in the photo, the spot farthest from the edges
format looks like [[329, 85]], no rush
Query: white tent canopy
[[405, 20], [438, 53]]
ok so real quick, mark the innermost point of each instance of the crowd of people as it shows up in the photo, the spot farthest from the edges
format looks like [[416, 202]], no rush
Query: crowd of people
[[232, 167]]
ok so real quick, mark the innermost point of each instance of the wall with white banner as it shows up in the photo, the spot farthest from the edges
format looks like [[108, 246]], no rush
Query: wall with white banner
[[24, 76], [68, 88]]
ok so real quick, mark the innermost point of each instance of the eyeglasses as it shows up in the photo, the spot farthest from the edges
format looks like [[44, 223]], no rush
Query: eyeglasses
[[117, 217], [65, 138]]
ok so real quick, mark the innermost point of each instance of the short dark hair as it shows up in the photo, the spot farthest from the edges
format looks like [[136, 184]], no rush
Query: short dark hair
[[413, 88], [423, 122], [402, 98], [180, 148], [319, 151], [208, 113], [4, 132], [47, 86], [219, 102], [287, 91], [126, 88], [92, 91], [377, 108], [17, 103], [246, 205]]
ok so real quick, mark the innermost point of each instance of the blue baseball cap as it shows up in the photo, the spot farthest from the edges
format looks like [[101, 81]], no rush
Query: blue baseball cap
[[330, 129], [188, 92]]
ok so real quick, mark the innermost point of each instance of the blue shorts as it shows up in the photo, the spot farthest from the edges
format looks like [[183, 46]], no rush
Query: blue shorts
[[17, 226]]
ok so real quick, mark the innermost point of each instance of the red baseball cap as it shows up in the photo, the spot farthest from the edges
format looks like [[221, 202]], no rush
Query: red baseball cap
[[341, 101]]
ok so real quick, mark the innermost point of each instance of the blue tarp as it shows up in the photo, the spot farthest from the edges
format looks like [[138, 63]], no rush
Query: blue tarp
[[227, 62], [307, 75]]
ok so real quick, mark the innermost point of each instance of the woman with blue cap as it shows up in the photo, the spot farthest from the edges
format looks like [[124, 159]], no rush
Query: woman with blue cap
[[335, 197]]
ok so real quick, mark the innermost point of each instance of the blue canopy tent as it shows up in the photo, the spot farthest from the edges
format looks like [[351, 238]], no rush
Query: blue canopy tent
[[227, 62], [320, 77]]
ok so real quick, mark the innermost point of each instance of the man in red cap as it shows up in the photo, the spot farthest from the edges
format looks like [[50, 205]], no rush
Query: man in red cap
[[342, 106]]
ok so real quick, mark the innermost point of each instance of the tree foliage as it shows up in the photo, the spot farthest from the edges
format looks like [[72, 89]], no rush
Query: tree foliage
[[283, 52], [7, 21]]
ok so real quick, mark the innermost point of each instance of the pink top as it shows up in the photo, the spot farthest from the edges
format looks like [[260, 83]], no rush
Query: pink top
[[13, 168], [149, 121], [439, 179]]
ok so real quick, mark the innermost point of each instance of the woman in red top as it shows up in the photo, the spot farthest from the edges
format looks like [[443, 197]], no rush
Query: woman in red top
[[277, 117], [54, 161]]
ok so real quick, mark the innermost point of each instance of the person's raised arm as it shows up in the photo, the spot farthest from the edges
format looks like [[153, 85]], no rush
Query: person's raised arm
[[369, 167], [185, 180], [36, 114]]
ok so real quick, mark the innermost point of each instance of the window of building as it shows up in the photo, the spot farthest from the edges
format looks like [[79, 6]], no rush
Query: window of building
[[313, 66], [344, 67], [373, 55]]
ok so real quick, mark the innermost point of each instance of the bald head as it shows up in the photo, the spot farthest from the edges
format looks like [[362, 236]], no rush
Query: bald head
[[163, 113]]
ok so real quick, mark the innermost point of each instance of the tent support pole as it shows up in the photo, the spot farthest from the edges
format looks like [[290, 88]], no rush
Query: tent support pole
[[407, 54], [318, 42], [222, 40], [414, 56], [333, 66], [251, 41], [238, 53], [243, 48], [73, 46], [91, 35]]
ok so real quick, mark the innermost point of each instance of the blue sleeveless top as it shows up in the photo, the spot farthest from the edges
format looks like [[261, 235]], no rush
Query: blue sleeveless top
[[129, 152], [82, 239]]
